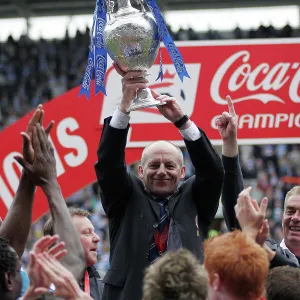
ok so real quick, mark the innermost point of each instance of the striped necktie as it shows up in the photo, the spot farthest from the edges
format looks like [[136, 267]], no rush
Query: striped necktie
[[159, 241]]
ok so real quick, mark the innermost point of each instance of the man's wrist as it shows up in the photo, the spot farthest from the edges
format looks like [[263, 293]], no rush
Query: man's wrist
[[230, 148], [177, 117], [124, 109], [252, 233], [25, 178], [50, 186], [186, 125], [180, 122], [271, 254]]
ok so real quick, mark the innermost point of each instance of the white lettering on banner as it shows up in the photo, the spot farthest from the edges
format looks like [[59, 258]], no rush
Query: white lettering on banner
[[11, 177], [72, 141], [264, 120], [10, 173], [72, 160], [5, 194], [280, 118], [293, 90], [244, 75]]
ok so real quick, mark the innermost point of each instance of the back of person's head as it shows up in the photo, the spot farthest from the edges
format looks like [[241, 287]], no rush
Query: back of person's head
[[236, 264], [177, 276], [283, 283], [10, 278], [48, 228]]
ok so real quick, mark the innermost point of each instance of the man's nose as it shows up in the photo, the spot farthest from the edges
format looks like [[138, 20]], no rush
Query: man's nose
[[296, 217], [161, 170], [96, 238]]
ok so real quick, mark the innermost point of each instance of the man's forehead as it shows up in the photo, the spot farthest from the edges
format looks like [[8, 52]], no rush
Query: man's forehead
[[161, 148], [82, 221], [293, 201]]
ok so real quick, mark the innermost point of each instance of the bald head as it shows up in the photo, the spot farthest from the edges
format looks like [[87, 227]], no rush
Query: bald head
[[165, 146], [161, 168]]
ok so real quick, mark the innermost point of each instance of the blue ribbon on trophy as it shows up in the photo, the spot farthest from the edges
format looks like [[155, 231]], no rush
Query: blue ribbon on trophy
[[97, 58], [100, 51], [161, 73], [168, 42]]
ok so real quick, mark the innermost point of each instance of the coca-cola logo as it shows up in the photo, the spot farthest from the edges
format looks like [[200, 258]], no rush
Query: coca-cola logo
[[260, 83]]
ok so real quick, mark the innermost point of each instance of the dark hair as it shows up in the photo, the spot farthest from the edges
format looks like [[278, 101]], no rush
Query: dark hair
[[283, 284], [8, 259], [48, 228]]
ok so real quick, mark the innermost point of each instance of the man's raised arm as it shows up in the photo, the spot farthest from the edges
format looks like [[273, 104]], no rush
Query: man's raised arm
[[16, 225], [111, 168], [233, 180], [42, 172]]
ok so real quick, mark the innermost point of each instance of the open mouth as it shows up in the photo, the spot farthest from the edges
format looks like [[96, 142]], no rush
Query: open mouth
[[294, 228]]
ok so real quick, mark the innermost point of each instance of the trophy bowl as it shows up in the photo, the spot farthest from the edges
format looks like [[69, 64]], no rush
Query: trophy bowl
[[132, 41]]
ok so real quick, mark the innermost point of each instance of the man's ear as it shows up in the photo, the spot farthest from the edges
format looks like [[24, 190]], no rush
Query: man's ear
[[141, 172], [216, 284], [183, 172], [8, 282]]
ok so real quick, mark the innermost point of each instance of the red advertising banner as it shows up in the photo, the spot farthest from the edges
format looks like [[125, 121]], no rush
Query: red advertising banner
[[262, 77]]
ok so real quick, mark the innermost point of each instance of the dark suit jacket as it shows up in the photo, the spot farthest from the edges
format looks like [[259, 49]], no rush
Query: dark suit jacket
[[133, 215]]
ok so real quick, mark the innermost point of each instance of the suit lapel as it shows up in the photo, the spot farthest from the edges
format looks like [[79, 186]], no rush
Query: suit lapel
[[172, 202], [155, 207]]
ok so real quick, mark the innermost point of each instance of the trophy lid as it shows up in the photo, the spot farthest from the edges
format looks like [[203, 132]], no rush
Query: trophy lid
[[125, 8]]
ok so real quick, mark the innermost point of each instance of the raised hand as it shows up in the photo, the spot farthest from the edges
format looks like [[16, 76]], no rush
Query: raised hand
[[251, 216], [226, 123], [132, 81], [65, 284], [37, 117], [44, 243], [39, 283], [43, 168], [263, 233], [227, 127], [171, 110]]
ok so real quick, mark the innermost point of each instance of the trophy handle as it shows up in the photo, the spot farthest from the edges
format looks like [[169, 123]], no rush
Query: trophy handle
[[141, 3], [110, 8]]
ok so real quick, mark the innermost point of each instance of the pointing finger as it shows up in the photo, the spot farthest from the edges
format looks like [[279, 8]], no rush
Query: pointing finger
[[230, 106]]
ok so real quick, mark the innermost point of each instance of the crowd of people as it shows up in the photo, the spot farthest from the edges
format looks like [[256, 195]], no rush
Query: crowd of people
[[34, 72]]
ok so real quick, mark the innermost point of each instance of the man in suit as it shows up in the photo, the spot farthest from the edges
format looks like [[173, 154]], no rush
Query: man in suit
[[152, 214]]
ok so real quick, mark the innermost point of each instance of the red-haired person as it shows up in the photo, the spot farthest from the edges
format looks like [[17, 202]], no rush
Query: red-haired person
[[237, 267]]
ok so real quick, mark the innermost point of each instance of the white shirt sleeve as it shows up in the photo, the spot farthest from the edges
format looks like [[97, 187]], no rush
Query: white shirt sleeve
[[119, 120], [192, 133]]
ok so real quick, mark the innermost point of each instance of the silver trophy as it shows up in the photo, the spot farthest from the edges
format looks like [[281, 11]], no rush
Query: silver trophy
[[131, 39]]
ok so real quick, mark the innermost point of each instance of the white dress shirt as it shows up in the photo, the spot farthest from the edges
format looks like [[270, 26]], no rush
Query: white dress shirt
[[120, 121]]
